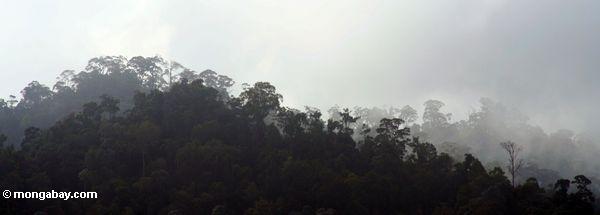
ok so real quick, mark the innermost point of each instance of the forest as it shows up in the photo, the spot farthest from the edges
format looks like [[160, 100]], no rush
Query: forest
[[152, 136]]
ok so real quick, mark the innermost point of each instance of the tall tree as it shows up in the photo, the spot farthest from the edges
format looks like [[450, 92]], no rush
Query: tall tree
[[220, 83], [515, 162], [408, 114], [34, 94], [260, 99]]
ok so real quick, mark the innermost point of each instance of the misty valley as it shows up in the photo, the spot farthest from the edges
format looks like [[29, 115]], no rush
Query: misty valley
[[151, 136]]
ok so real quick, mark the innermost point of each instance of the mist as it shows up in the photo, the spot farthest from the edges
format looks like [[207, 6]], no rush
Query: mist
[[459, 77], [539, 57]]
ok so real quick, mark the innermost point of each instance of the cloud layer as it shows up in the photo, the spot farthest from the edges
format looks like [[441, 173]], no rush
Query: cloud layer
[[541, 57]]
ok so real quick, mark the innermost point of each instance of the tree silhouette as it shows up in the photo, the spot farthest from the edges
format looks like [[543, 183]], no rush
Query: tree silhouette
[[179, 147], [515, 162]]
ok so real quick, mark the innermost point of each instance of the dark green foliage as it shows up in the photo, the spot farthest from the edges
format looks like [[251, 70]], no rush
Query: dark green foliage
[[187, 150], [116, 77]]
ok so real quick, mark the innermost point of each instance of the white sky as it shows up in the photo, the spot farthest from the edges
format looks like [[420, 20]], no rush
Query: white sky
[[539, 56]]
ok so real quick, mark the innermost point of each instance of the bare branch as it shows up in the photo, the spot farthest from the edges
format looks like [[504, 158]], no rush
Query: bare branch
[[514, 161]]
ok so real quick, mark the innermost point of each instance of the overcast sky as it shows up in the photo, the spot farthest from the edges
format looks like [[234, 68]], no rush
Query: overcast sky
[[539, 56]]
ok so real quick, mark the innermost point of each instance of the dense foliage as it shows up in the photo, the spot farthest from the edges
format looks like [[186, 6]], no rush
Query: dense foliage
[[187, 147], [117, 77], [547, 156]]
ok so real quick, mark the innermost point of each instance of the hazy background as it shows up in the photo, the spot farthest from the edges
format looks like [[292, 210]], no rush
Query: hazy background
[[539, 56]]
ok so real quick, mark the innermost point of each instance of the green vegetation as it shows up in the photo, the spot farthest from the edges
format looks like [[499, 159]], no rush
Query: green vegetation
[[182, 145]]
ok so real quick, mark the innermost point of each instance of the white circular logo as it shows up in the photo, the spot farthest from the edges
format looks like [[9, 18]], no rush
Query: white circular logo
[[6, 194]]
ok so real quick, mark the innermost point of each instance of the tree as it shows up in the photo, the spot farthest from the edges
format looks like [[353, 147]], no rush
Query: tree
[[583, 199], [219, 82], [260, 100], [561, 189], [514, 158], [391, 137], [182, 149], [432, 117], [151, 70], [408, 114], [436, 126], [346, 121], [109, 105], [34, 94], [188, 75], [64, 81], [107, 64]]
